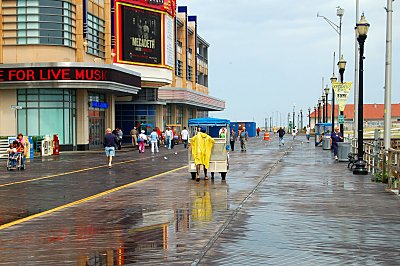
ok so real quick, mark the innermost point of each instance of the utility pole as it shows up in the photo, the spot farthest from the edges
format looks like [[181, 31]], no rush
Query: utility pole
[[388, 78], [356, 67]]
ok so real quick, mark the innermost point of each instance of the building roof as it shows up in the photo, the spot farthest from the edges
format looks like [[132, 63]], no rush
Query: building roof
[[371, 111]]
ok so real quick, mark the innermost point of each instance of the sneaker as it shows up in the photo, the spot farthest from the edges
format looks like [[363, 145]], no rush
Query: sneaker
[[336, 158]]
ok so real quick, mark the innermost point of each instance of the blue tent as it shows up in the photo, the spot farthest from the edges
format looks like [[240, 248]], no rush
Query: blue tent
[[208, 121], [212, 124]]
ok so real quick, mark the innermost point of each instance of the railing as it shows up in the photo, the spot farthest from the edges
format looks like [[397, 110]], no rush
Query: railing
[[380, 162], [393, 169]]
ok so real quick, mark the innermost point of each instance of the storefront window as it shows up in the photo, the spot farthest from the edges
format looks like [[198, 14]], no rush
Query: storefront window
[[47, 112], [129, 115], [45, 22]]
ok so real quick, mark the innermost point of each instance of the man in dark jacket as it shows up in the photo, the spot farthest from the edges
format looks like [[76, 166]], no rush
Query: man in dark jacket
[[110, 143], [281, 132]]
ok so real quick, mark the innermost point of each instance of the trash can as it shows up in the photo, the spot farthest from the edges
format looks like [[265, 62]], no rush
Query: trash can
[[343, 151], [326, 143]]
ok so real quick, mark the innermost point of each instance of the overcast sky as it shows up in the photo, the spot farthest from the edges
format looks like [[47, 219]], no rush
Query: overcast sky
[[268, 55]]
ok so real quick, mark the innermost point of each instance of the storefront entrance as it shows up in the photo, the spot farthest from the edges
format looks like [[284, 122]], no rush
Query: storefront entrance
[[96, 121]]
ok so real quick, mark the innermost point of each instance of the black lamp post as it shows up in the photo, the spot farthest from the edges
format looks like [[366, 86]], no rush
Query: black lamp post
[[301, 119], [294, 113], [342, 67], [309, 116], [326, 90], [319, 107], [362, 30], [315, 116], [333, 80], [323, 109]]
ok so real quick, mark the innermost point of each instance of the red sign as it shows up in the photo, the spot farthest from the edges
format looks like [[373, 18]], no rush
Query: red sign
[[67, 73], [168, 6], [58, 73]]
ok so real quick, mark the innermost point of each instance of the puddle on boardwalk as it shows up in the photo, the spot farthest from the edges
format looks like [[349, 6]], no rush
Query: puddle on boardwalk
[[167, 220], [151, 229]]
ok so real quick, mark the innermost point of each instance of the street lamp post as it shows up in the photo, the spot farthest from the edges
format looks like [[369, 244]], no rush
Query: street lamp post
[[301, 119], [315, 116], [270, 124], [294, 106], [326, 90], [309, 116], [362, 31], [319, 107], [333, 79], [342, 68], [323, 109]]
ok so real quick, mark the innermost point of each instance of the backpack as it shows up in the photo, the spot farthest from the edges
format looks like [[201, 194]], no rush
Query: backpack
[[243, 134]]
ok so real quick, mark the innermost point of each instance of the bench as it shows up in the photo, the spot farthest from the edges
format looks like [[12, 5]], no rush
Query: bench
[[352, 159]]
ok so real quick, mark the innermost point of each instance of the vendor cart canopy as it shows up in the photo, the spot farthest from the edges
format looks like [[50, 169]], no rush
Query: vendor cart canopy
[[208, 121]]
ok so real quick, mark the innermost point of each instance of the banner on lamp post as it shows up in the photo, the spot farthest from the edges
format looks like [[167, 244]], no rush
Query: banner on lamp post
[[342, 91]]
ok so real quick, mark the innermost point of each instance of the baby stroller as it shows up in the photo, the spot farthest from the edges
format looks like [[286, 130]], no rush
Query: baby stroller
[[14, 162]]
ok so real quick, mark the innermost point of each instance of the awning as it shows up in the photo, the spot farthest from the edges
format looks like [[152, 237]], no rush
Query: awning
[[208, 121], [189, 97]]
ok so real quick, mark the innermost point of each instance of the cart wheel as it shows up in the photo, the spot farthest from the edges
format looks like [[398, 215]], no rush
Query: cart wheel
[[193, 175], [223, 175], [212, 175]]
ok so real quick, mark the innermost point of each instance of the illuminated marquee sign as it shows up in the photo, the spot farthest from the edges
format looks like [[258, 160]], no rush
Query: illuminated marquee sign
[[141, 36], [66, 74], [145, 33]]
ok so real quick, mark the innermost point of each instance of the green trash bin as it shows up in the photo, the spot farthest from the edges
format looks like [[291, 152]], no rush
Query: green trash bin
[[343, 151]]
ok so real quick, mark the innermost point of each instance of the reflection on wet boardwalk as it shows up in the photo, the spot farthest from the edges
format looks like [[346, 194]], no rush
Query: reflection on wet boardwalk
[[303, 209], [312, 211]]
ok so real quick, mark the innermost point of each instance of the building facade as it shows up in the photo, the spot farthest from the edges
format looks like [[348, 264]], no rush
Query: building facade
[[373, 115], [75, 67]]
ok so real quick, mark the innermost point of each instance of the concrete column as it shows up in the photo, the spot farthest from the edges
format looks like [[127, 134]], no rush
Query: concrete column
[[182, 34], [107, 19], [7, 115], [1, 34], [185, 116], [82, 119], [110, 112], [173, 114], [80, 49], [192, 45], [159, 117]]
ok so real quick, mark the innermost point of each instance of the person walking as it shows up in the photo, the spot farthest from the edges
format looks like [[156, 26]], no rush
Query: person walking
[[168, 138], [232, 139], [336, 137], [244, 136], [185, 137], [142, 138], [258, 131], [201, 146], [281, 132], [308, 133], [120, 134], [110, 143], [294, 132], [134, 134], [154, 140]]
